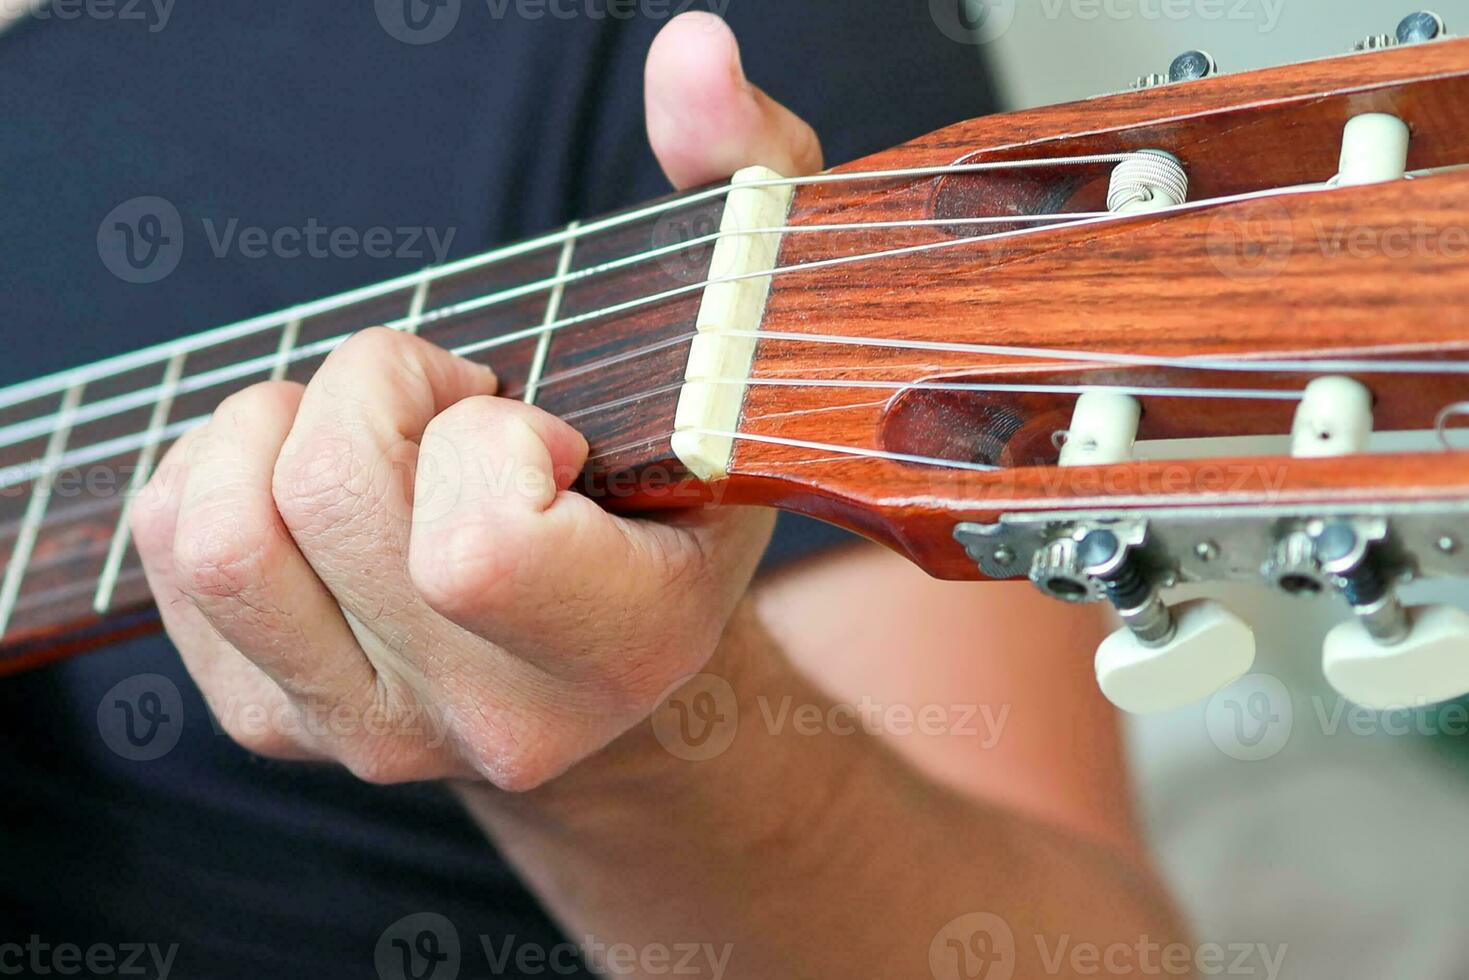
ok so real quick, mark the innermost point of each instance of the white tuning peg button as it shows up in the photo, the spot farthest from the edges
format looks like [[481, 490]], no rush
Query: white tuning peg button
[[1211, 648], [1334, 419], [1374, 150], [1103, 429], [1431, 664]]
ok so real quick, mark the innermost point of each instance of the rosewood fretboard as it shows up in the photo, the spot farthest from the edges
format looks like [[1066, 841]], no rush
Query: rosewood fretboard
[[71, 574]]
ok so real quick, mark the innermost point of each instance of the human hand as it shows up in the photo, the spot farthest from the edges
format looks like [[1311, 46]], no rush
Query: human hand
[[516, 630]]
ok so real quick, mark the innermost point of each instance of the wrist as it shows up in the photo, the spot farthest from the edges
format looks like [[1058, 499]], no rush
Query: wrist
[[705, 747]]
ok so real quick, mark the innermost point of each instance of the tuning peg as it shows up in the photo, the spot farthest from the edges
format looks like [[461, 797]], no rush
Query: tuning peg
[[1163, 657], [1425, 25], [1429, 664], [1210, 649], [1374, 150], [1192, 66], [1387, 656], [1187, 67], [1103, 429], [1334, 419]]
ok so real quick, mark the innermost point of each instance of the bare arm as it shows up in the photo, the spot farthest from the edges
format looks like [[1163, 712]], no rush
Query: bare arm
[[810, 847], [522, 643]]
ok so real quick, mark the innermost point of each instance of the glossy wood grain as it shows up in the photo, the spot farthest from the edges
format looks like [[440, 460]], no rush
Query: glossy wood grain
[[1297, 275], [1289, 276]]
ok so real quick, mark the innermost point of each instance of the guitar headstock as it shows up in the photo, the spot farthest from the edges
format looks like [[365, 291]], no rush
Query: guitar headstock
[[1199, 332]]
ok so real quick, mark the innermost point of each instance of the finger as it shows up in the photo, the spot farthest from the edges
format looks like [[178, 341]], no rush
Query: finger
[[514, 556], [705, 119], [238, 565], [344, 481], [235, 690]]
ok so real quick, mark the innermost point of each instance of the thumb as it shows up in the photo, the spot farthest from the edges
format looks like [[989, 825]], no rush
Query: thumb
[[705, 119]]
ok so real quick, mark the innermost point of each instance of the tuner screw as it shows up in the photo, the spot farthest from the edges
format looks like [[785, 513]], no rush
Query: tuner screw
[[1206, 551], [1128, 587], [1294, 567], [1057, 571], [1192, 66], [1425, 25], [1351, 561], [1448, 544]]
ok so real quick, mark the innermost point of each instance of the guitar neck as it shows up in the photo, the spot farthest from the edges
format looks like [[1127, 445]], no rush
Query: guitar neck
[[591, 323]]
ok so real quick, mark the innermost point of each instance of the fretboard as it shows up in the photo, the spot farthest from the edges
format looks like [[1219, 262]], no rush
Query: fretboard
[[591, 323]]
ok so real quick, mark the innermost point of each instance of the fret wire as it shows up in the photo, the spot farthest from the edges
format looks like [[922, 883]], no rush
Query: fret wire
[[147, 458], [325, 346], [35, 513], [19, 431], [553, 310], [289, 333], [38, 387], [415, 306]]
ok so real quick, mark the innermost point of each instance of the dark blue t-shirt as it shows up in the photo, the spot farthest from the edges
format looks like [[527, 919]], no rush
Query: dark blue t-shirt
[[278, 115]]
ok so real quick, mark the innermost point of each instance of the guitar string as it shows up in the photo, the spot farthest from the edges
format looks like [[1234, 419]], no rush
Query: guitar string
[[70, 377], [179, 429], [39, 387], [19, 432], [414, 323], [19, 472], [1141, 391]]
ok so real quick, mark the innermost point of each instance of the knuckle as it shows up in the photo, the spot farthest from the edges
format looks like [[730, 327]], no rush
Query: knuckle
[[319, 481], [388, 762], [470, 567], [221, 556], [519, 766]]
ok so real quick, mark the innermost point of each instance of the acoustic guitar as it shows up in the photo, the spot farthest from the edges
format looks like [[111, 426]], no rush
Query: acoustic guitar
[[1024, 346]]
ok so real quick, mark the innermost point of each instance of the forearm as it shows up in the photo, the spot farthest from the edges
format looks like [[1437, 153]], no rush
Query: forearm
[[803, 854]]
